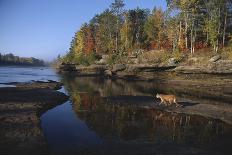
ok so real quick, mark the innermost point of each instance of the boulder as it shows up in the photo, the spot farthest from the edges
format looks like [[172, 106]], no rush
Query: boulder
[[193, 60], [215, 58], [101, 62], [134, 60], [172, 61], [118, 67], [108, 73], [105, 57]]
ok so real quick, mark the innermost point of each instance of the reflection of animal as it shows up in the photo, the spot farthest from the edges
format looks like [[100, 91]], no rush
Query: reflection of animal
[[167, 99]]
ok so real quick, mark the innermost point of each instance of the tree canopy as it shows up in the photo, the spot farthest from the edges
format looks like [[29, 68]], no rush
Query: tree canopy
[[187, 25]]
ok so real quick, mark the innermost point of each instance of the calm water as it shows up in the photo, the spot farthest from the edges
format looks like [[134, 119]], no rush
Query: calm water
[[26, 74], [111, 117]]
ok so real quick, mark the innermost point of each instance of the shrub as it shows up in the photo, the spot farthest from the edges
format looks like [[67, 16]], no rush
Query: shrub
[[112, 59], [227, 52], [79, 58], [178, 55]]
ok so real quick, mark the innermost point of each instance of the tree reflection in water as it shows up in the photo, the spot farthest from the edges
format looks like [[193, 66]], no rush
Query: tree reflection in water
[[122, 121]]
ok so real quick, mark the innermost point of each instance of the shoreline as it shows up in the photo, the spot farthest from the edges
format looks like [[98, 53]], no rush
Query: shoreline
[[212, 92], [21, 108]]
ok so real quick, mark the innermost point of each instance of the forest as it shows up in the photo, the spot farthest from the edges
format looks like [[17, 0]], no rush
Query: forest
[[185, 27], [10, 59]]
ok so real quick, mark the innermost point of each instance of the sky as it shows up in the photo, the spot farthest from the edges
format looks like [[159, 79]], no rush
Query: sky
[[44, 28]]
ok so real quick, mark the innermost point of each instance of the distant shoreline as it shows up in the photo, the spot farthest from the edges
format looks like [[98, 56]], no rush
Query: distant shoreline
[[22, 65]]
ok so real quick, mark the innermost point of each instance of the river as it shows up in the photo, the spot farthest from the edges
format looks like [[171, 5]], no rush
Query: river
[[106, 116]]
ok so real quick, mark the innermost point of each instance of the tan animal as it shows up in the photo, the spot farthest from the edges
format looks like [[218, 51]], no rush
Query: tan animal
[[168, 99]]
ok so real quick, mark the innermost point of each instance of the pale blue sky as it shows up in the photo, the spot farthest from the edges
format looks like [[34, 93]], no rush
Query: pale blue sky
[[44, 28]]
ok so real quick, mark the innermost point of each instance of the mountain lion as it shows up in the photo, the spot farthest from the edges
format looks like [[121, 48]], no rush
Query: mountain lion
[[168, 99]]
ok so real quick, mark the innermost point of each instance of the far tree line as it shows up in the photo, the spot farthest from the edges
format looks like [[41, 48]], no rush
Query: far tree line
[[10, 59], [186, 26]]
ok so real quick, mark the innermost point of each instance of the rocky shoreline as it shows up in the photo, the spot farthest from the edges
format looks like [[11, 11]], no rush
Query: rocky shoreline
[[208, 84], [20, 111], [221, 67]]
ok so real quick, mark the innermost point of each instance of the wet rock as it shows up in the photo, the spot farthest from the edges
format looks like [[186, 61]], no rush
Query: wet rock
[[215, 58], [38, 84], [108, 73]]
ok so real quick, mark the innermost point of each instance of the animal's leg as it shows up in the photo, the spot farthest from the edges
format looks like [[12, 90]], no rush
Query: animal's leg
[[170, 102], [177, 105], [162, 101], [165, 103]]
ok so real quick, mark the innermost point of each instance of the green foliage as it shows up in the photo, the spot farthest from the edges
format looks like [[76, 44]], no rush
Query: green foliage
[[79, 58], [112, 59], [178, 55], [226, 52]]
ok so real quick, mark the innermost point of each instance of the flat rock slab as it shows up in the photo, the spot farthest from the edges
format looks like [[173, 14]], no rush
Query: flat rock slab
[[20, 109], [37, 84], [221, 112]]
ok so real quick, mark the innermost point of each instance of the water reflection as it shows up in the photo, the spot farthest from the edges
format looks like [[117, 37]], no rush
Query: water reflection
[[112, 109]]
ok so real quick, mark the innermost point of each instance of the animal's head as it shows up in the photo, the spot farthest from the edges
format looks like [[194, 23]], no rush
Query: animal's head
[[157, 95]]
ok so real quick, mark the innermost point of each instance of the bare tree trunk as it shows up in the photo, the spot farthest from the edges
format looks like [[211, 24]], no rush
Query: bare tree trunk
[[194, 40], [191, 38], [224, 30], [219, 26], [186, 31], [116, 39], [180, 31]]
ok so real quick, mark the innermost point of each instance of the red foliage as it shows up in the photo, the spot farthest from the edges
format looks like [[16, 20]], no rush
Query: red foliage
[[200, 45], [89, 41], [165, 44]]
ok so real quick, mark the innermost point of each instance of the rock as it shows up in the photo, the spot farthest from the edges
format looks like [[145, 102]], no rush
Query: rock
[[172, 61], [219, 67], [193, 60], [137, 52], [101, 62], [133, 60], [105, 57], [215, 58], [118, 67], [67, 67], [108, 73], [20, 110], [38, 84], [148, 68], [132, 56], [189, 69], [92, 70]]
